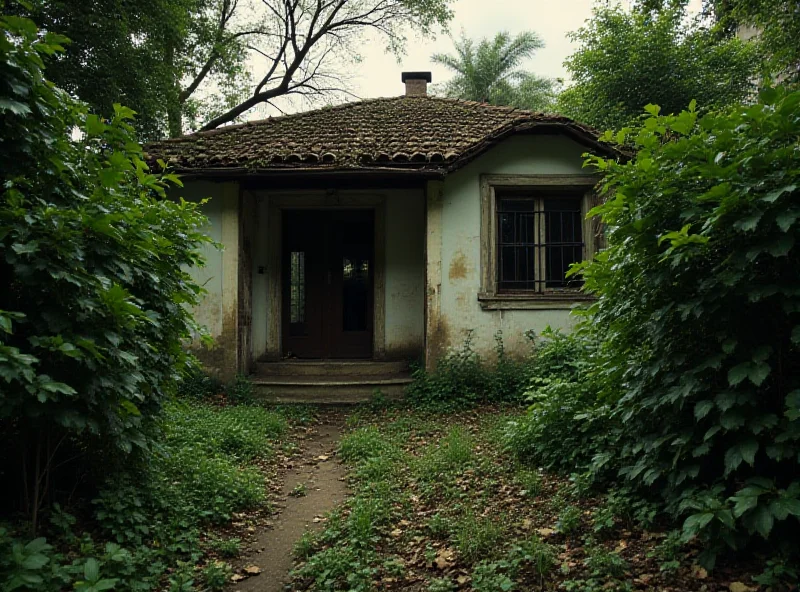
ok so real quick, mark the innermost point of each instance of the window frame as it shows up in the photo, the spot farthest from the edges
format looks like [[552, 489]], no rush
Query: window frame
[[582, 186]]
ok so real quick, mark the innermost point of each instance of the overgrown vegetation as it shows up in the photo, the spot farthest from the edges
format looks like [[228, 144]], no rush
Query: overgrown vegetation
[[438, 504], [110, 482], [462, 378], [96, 309], [630, 58], [686, 380], [148, 525]]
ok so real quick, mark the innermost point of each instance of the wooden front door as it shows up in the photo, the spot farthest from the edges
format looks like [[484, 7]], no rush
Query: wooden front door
[[328, 268]]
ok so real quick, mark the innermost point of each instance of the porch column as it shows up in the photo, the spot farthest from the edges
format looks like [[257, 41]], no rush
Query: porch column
[[228, 341], [435, 332]]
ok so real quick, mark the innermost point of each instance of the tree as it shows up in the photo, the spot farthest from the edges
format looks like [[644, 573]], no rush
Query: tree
[[489, 71], [306, 37], [627, 60], [154, 56], [778, 23], [95, 305], [186, 61]]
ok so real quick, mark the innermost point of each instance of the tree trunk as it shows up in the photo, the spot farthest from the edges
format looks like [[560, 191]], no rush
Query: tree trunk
[[174, 116]]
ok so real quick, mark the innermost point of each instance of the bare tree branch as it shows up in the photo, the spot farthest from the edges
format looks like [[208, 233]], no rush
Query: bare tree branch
[[307, 37]]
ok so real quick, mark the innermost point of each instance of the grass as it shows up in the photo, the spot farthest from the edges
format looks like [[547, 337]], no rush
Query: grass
[[437, 505]]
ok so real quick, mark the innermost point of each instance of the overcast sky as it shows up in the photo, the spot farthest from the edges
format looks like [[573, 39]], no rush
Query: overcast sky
[[379, 74]]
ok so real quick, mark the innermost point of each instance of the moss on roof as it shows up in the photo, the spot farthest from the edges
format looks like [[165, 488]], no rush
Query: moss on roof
[[426, 133]]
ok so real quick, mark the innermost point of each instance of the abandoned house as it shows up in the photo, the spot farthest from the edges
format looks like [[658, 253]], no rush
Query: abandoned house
[[362, 236]]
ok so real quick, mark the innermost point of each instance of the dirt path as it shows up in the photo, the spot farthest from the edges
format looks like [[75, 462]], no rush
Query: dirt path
[[322, 474]]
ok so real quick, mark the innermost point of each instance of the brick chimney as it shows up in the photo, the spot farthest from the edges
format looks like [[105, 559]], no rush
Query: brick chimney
[[416, 83]]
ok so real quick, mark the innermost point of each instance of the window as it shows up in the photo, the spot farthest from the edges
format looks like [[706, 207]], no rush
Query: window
[[538, 238], [533, 227]]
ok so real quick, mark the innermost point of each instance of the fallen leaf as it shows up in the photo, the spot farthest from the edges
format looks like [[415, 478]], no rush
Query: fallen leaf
[[396, 532], [621, 547], [462, 580], [252, 570], [545, 532], [237, 578], [739, 587], [527, 523], [323, 457], [699, 572]]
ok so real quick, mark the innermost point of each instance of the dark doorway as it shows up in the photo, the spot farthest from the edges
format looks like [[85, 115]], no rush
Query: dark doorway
[[328, 269]]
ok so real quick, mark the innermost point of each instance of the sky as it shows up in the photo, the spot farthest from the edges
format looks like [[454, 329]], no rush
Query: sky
[[379, 73]]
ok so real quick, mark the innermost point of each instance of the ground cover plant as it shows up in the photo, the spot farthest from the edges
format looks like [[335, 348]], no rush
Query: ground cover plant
[[439, 503], [171, 520]]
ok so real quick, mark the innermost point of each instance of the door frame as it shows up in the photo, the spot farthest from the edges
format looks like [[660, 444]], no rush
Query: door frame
[[330, 200]]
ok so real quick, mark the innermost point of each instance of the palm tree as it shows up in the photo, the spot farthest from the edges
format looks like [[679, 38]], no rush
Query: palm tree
[[489, 71]]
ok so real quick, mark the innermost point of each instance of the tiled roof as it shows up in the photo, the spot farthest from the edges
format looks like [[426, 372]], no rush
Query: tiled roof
[[426, 133]]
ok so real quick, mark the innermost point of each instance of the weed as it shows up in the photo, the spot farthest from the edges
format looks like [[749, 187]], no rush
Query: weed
[[569, 520], [454, 453], [669, 552], [299, 490], [305, 546], [439, 526], [339, 568], [477, 537], [603, 563], [231, 547], [540, 555], [494, 576], [216, 575], [530, 481], [364, 443], [442, 585]]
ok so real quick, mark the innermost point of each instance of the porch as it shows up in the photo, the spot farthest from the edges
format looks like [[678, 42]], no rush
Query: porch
[[332, 382]]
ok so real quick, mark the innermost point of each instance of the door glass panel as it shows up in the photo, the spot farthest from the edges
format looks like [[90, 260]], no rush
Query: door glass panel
[[297, 287], [355, 293]]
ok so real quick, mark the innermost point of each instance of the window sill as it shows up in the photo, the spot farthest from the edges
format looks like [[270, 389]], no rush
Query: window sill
[[547, 301]]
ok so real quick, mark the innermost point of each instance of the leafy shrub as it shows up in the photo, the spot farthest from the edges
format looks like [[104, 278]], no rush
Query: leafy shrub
[[698, 311], [95, 308], [216, 574], [568, 423], [569, 520], [462, 379]]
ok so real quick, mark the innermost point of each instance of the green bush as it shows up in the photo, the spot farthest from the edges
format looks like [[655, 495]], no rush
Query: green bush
[[699, 311], [568, 424], [462, 379], [96, 304]]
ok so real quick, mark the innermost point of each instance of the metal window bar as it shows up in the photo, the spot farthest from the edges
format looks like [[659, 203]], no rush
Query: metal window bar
[[537, 240]]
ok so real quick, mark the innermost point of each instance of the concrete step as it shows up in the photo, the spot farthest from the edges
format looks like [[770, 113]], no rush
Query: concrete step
[[329, 368], [328, 389]]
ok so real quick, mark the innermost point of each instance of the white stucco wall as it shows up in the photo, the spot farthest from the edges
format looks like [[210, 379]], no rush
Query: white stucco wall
[[461, 228], [405, 273], [209, 312], [404, 267]]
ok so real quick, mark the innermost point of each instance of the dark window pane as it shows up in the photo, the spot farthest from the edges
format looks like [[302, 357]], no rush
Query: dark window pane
[[297, 287], [536, 247], [355, 287]]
